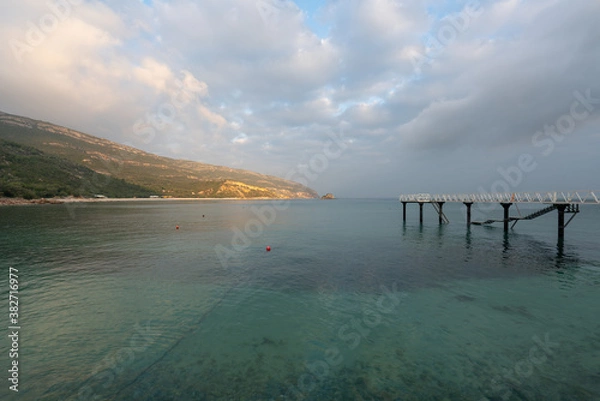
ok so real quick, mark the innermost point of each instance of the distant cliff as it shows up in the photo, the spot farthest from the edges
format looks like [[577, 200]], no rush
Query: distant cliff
[[146, 172], [328, 196]]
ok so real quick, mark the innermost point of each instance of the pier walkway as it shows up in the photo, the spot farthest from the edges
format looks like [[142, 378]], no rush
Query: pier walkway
[[563, 202]]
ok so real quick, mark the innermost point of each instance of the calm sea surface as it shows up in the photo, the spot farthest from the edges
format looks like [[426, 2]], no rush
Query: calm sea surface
[[115, 303]]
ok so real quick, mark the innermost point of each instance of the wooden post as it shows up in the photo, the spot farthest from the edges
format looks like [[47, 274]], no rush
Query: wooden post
[[421, 212], [441, 213], [404, 212]]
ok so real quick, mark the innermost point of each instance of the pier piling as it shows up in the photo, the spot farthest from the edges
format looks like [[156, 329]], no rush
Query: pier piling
[[506, 207], [561, 219], [468, 205], [440, 212]]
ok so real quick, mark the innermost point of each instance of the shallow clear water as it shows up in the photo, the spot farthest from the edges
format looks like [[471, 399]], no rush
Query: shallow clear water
[[117, 304]]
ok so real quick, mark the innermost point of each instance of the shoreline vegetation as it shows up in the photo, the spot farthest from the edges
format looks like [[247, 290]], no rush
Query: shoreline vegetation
[[59, 201]]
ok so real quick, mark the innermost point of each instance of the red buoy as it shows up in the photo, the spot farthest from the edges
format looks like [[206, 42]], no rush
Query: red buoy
[[268, 248], [177, 227]]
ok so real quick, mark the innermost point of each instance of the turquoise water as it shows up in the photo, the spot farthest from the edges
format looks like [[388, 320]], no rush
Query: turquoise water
[[350, 304]]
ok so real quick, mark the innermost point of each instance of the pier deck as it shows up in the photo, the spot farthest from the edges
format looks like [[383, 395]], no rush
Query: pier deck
[[562, 201]]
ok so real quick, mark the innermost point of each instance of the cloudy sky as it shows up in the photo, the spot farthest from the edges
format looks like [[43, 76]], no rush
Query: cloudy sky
[[357, 97]]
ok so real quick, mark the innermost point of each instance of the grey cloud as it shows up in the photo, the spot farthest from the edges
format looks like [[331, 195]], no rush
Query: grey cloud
[[513, 89], [272, 82]]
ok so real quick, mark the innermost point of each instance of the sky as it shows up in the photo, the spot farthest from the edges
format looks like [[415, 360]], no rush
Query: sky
[[361, 98]]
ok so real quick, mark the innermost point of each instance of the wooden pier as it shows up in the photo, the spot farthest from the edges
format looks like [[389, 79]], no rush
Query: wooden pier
[[562, 202]]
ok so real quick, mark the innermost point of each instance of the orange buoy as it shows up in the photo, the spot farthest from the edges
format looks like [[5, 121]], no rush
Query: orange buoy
[[268, 248], [177, 227]]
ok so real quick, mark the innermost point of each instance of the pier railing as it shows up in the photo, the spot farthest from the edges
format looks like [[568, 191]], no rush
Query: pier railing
[[574, 197]]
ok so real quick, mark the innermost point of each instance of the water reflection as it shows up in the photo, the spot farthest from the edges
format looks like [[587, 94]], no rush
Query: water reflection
[[560, 251], [489, 248], [468, 246], [248, 332]]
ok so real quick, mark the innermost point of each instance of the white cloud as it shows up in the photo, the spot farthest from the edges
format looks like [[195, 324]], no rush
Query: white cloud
[[154, 74], [240, 139], [236, 72]]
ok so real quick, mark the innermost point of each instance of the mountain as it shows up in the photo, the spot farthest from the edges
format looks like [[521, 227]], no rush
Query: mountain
[[26, 172], [139, 170]]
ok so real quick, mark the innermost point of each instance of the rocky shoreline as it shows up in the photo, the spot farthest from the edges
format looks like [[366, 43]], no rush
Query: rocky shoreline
[[59, 201], [21, 201]]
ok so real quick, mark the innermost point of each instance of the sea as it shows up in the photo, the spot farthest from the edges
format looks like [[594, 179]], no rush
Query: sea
[[182, 300]]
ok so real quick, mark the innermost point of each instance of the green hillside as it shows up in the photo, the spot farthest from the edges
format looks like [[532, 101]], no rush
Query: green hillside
[[161, 175], [28, 173]]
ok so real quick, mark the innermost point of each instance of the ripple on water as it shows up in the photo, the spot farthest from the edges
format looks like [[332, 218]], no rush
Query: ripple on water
[[121, 305]]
